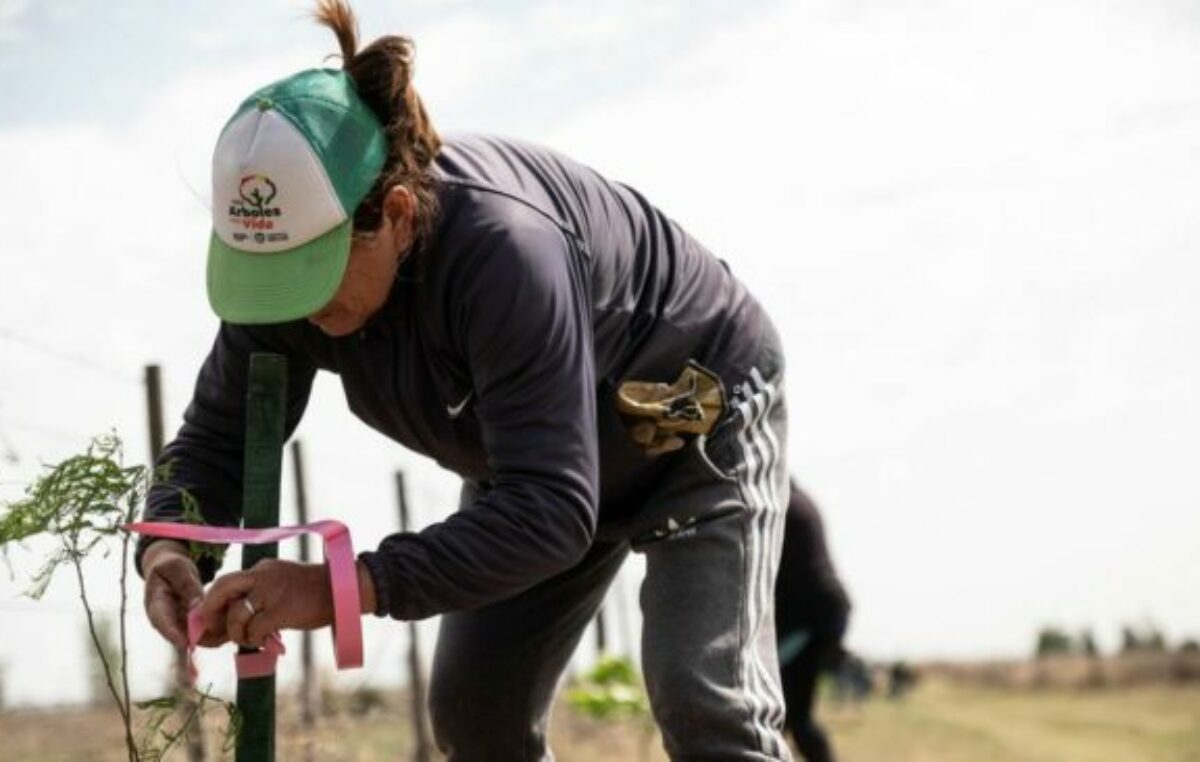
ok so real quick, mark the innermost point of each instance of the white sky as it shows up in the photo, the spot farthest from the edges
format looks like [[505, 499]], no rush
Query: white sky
[[975, 224]]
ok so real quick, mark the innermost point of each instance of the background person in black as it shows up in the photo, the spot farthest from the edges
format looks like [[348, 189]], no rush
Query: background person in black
[[811, 613]]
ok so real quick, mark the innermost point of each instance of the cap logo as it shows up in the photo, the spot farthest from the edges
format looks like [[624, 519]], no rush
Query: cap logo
[[252, 207], [256, 191]]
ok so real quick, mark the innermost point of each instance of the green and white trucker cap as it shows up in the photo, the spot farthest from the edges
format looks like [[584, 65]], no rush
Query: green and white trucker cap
[[289, 170]]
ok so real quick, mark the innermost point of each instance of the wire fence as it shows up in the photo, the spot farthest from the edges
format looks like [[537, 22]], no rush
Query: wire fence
[[89, 364]]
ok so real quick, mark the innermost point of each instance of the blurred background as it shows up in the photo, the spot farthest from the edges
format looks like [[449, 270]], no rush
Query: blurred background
[[974, 222]]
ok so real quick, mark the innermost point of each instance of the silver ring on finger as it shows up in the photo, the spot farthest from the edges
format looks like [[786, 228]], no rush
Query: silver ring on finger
[[249, 606]]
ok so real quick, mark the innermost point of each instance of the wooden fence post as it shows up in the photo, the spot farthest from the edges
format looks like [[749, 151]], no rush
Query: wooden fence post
[[601, 632], [154, 418], [307, 680], [416, 674]]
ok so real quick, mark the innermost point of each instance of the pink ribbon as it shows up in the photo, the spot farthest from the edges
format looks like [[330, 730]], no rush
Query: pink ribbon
[[343, 582]]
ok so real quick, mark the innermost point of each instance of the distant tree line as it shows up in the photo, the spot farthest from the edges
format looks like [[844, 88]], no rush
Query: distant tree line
[[1055, 641], [1145, 637]]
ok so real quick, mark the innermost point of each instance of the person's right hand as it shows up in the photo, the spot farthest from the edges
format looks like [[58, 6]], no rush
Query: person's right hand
[[173, 587]]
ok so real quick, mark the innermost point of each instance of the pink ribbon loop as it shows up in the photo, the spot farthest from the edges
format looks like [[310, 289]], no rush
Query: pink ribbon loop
[[343, 582]]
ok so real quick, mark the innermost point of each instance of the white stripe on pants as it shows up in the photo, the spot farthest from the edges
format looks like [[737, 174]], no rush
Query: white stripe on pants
[[762, 497]]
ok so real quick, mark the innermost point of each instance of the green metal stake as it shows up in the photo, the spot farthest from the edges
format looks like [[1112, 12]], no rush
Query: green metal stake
[[265, 410]]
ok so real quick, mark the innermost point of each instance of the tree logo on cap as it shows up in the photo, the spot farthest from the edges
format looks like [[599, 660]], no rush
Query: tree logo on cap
[[253, 207], [256, 192]]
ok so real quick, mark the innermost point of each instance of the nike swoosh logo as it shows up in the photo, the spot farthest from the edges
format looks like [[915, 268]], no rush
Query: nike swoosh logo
[[455, 411]]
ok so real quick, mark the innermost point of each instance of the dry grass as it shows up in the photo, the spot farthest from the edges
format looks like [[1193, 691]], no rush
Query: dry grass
[[942, 721], [94, 735], [951, 722]]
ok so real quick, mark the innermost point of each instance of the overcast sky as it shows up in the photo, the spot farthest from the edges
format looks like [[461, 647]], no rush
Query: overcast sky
[[975, 223]]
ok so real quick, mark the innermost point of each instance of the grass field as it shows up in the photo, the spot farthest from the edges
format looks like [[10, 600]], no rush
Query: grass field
[[939, 722]]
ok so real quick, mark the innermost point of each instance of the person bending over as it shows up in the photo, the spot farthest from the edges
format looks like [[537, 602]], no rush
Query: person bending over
[[599, 380]]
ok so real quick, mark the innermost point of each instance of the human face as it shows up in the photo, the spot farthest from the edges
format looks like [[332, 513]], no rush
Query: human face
[[371, 269]]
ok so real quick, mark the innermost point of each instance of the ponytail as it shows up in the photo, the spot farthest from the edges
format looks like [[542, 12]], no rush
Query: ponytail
[[382, 73]]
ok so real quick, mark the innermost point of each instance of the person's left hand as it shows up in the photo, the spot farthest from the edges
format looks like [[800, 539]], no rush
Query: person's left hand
[[246, 606]]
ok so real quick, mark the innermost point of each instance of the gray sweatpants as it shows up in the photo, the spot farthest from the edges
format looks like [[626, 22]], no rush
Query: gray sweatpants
[[711, 536]]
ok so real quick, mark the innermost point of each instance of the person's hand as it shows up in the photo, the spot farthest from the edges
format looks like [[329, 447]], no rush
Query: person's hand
[[173, 587], [247, 606]]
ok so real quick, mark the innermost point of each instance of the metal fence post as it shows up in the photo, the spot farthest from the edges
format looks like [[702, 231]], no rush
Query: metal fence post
[[265, 411]]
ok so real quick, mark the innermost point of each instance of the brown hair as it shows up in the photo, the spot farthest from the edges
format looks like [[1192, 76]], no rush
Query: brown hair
[[382, 72]]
